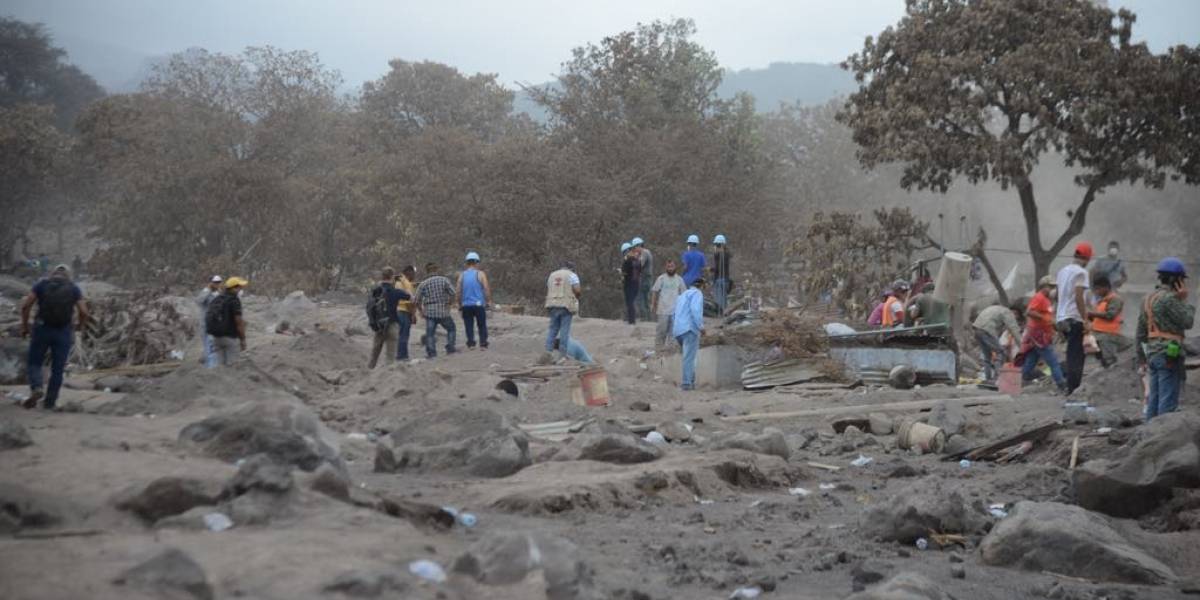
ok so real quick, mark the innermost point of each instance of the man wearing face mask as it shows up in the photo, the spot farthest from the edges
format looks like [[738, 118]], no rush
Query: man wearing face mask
[[1038, 342], [1112, 266]]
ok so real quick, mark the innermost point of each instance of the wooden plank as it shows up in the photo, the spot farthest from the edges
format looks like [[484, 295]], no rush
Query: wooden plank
[[150, 369], [865, 408], [1036, 433], [830, 468], [1074, 453]]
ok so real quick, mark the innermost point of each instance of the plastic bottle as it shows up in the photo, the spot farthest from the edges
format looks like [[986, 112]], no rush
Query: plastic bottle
[[922, 544], [427, 570]]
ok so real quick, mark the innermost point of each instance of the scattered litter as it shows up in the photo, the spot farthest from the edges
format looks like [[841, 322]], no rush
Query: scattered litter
[[746, 592], [656, 438], [997, 510], [922, 544], [643, 366], [964, 463], [702, 501], [217, 521], [176, 355], [356, 436], [1104, 430], [837, 526], [427, 570], [798, 491], [827, 486], [647, 354], [18, 396], [467, 520], [839, 329], [756, 503], [861, 461]]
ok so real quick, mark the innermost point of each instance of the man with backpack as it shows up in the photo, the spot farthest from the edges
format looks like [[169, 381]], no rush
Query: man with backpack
[[223, 321], [57, 299], [383, 317]]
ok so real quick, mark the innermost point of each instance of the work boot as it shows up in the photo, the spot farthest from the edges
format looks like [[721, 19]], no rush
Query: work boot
[[32, 400]]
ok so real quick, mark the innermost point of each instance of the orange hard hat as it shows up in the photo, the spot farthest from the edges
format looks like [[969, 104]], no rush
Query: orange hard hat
[[1084, 250]]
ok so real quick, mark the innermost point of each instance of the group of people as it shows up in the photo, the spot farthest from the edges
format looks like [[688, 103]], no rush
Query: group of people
[[639, 283], [398, 302], [1078, 303]]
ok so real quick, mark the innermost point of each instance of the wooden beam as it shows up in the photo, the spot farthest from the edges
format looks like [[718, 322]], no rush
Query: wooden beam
[[865, 408], [1074, 453]]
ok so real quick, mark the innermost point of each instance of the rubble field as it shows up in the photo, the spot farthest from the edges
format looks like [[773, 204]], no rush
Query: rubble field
[[299, 473]]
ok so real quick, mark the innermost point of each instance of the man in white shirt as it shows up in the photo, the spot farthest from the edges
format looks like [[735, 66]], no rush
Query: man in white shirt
[[667, 289], [1073, 283]]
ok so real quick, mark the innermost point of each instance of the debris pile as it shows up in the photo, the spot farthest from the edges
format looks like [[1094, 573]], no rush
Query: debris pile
[[135, 328], [794, 335]]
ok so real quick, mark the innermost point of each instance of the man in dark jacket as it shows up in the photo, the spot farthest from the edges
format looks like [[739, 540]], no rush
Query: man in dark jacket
[[57, 299]]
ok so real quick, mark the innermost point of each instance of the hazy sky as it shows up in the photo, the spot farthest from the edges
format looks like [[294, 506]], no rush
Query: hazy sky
[[521, 40]]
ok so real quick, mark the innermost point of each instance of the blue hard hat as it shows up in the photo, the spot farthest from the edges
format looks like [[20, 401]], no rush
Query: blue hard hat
[[472, 256], [1171, 266], [637, 241], [720, 239], [625, 247], [693, 239]]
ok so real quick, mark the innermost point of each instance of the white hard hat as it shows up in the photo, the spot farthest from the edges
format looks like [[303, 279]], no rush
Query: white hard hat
[[693, 239], [720, 239], [473, 256], [637, 241], [216, 279], [626, 246]]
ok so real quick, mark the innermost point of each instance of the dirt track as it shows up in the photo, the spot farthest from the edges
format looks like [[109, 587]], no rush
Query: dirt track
[[699, 522]]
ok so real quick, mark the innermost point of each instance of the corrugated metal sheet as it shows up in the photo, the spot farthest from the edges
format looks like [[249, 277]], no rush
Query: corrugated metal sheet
[[764, 375]]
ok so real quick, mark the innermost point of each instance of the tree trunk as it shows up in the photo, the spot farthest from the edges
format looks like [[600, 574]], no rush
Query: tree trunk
[[1043, 257]]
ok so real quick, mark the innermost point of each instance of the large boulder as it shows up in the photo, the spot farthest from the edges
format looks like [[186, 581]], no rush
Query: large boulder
[[262, 490], [609, 447], [904, 586], [1163, 454], [13, 435], [770, 441], [171, 574], [1047, 536], [506, 559], [920, 507], [472, 440], [288, 433], [167, 496]]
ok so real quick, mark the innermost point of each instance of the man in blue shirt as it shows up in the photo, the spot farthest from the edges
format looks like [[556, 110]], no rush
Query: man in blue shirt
[[693, 261], [687, 329], [57, 299], [476, 295]]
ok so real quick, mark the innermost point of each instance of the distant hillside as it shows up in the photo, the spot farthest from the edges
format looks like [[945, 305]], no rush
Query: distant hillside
[[808, 83]]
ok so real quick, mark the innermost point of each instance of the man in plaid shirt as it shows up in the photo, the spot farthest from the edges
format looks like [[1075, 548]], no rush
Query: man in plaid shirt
[[435, 300]]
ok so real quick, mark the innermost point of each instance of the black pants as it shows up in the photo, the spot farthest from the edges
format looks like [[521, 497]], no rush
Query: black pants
[[631, 298], [1074, 331], [473, 315]]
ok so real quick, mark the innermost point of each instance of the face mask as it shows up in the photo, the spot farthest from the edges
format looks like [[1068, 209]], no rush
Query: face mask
[[1053, 294], [1113, 252]]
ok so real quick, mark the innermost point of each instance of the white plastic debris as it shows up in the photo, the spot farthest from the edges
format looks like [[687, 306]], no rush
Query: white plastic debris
[[1104, 430], [746, 592], [756, 503], [427, 570], [467, 520], [922, 544], [827, 486], [798, 491], [217, 521], [861, 461], [656, 438], [997, 510], [176, 355], [701, 501], [356, 436], [839, 329], [964, 463]]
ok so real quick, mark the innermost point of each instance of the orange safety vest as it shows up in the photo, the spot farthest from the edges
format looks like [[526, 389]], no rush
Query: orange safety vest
[[1101, 325], [1153, 332], [889, 316]]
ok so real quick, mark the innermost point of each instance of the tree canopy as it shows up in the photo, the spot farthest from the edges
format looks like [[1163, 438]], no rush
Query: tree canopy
[[34, 71]]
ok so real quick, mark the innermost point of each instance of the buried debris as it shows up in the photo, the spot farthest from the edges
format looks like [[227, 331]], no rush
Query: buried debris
[[1008, 448], [134, 328]]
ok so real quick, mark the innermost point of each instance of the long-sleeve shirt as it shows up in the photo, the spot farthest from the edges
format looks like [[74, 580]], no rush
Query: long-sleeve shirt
[[689, 313], [1171, 315], [996, 320]]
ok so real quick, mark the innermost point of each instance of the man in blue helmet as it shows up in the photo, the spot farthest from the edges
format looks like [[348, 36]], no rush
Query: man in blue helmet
[[722, 277], [1164, 319], [692, 260]]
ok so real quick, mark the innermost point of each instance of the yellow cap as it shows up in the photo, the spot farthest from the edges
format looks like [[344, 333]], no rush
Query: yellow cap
[[236, 282]]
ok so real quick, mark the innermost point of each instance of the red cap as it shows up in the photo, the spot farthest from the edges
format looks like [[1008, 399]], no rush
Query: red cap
[[1084, 250]]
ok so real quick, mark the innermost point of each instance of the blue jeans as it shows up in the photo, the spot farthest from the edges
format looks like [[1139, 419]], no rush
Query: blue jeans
[[1166, 379], [210, 353], [1074, 332], [631, 301], [691, 346], [431, 326], [992, 351], [473, 315], [405, 321], [560, 327], [58, 341], [721, 294], [1047, 355]]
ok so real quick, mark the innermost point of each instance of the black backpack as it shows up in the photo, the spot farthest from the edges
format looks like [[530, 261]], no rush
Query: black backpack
[[216, 317], [377, 312], [57, 303]]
